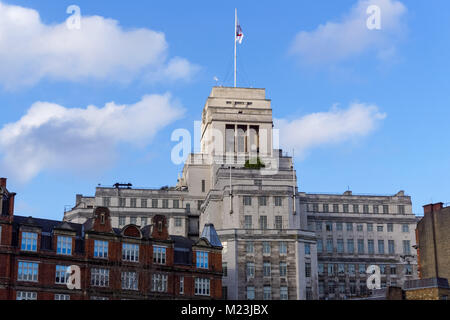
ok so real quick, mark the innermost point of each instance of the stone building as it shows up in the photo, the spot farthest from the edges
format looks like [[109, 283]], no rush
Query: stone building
[[130, 263], [356, 231], [241, 182]]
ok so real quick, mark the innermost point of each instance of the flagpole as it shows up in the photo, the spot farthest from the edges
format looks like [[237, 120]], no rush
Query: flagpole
[[235, 34]]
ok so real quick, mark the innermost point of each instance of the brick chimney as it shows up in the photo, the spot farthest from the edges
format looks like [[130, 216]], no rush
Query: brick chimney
[[3, 183], [433, 207]]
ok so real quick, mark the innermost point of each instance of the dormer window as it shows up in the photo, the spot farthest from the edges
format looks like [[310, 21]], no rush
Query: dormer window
[[102, 218], [64, 245], [29, 241], [160, 226]]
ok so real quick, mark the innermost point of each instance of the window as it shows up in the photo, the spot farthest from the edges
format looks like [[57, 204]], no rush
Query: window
[[278, 222], [144, 221], [319, 246], [129, 281], [336, 208], [408, 269], [331, 287], [326, 208], [133, 203], [263, 222], [99, 298], [401, 209], [406, 247], [263, 201], [154, 203], [329, 226], [330, 269], [266, 269], [362, 268], [27, 271], [202, 286], [345, 207], [248, 222], [250, 293], [380, 228], [390, 227], [352, 287], [349, 226], [202, 259], [391, 245], [319, 226], [330, 245], [340, 246], [224, 269], [360, 246], [266, 247], [250, 270], [405, 228], [203, 186], [283, 247], [350, 246], [341, 287], [267, 293], [130, 252], [369, 227], [376, 209], [283, 269], [178, 222], [133, 220], [165, 203], [181, 285], [351, 269], [370, 247], [365, 208], [249, 247], [61, 275], [121, 221], [29, 241], [381, 246], [62, 297], [143, 203], [278, 201], [393, 269], [100, 249], [106, 201], [315, 207], [176, 204], [382, 268], [308, 270], [385, 209], [320, 268], [122, 202], [22, 295], [359, 227], [99, 277], [339, 226], [307, 249], [159, 255], [159, 283], [247, 200], [321, 287], [355, 208], [64, 245], [341, 268], [284, 293], [188, 208]]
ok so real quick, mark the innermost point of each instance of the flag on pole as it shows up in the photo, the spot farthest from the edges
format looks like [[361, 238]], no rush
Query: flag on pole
[[239, 33]]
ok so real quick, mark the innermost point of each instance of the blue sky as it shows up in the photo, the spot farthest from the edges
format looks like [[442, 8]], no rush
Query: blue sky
[[365, 109]]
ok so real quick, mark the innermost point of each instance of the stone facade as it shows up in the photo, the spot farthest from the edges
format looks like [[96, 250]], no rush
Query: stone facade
[[355, 231]]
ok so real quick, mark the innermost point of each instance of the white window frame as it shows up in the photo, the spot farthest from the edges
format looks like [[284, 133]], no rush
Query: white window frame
[[159, 255], [202, 259], [28, 271], [101, 249], [61, 297], [99, 277], [202, 287], [130, 280], [130, 252], [159, 282], [25, 295], [29, 241], [64, 246], [61, 274]]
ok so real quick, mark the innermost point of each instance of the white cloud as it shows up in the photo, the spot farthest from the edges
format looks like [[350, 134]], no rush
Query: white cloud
[[101, 49], [334, 42], [50, 136], [334, 126]]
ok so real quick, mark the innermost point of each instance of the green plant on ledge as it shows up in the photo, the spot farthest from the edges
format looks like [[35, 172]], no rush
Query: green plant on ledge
[[254, 164]]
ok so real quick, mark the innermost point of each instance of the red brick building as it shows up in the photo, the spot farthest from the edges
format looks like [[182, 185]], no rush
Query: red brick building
[[110, 263]]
